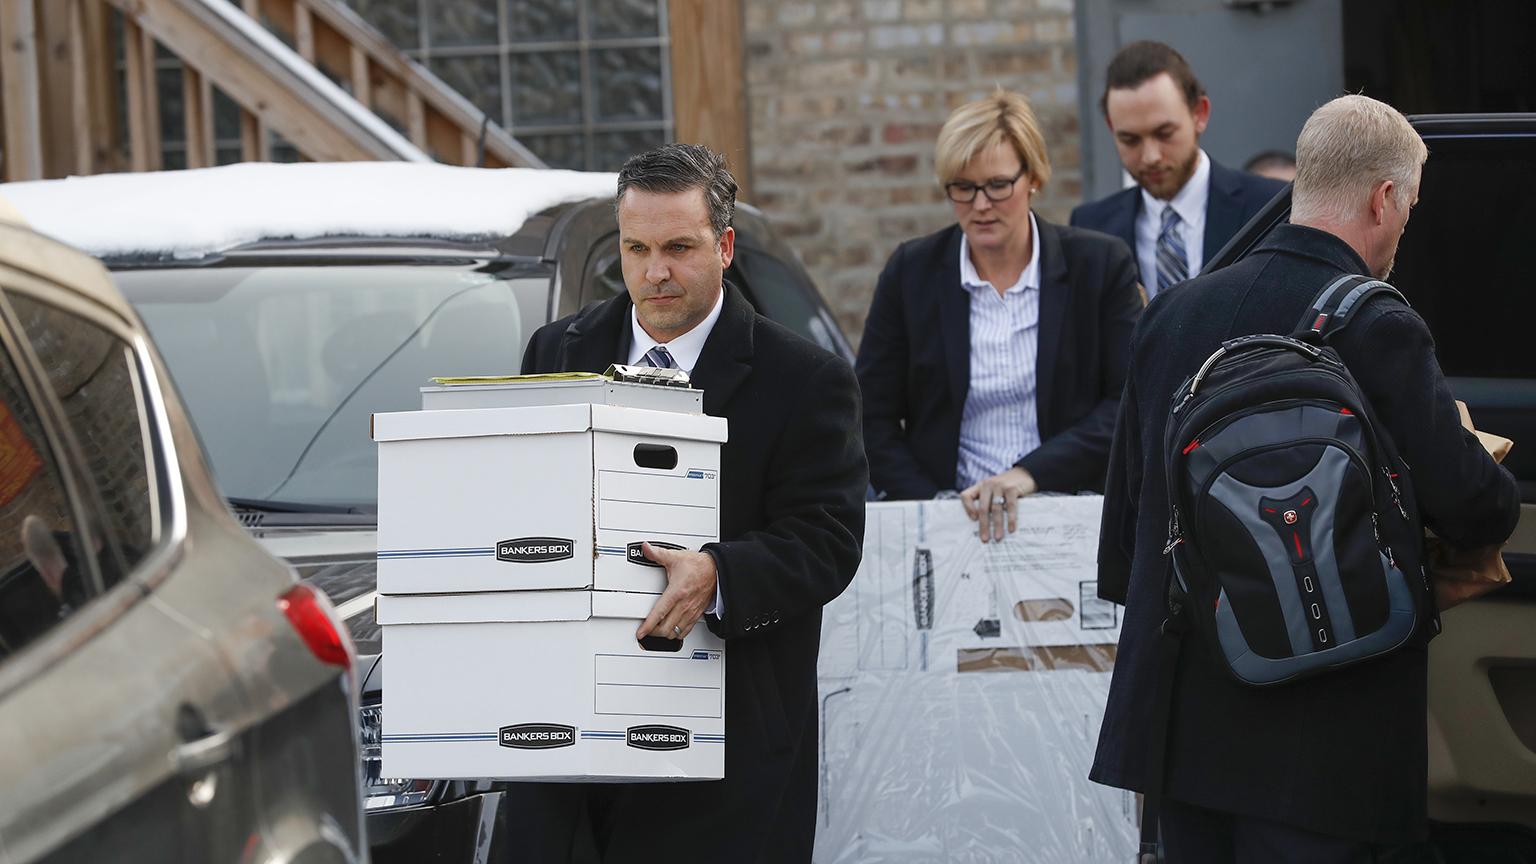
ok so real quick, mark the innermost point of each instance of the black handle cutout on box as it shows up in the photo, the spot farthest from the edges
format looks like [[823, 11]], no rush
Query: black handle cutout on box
[[661, 643], [658, 456]]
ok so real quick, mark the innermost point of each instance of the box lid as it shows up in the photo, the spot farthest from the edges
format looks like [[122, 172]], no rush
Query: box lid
[[510, 607], [622, 604], [479, 422], [659, 424], [483, 607], [559, 389], [544, 420]]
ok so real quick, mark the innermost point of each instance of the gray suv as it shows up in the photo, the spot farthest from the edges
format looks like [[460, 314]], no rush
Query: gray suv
[[168, 691]]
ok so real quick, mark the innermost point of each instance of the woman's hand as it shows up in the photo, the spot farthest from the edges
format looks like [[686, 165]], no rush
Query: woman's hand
[[988, 501]]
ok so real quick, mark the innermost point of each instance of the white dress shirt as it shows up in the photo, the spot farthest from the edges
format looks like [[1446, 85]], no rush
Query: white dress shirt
[[685, 350], [998, 425], [1189, 203]]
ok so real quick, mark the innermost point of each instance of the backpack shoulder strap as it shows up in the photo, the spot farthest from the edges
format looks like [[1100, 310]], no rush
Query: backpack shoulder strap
[[1335, 306]]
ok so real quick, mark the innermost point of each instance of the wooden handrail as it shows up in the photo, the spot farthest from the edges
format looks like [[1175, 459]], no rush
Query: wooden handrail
[[437, 118], [58, 90], [219, 42]]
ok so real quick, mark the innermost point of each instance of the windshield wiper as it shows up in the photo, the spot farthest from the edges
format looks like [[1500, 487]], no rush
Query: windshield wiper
[[276, 512]]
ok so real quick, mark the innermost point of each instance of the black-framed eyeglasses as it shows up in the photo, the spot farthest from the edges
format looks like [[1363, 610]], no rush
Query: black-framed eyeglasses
[[997, 189]]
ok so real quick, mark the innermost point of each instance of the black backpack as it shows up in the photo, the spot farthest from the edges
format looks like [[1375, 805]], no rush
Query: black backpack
[[1295, 538]]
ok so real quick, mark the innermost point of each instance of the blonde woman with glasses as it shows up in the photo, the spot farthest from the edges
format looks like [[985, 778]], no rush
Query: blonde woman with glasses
[[995, 349]]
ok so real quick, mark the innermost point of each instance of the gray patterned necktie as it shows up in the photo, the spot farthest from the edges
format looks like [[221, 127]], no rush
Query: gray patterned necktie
[[1172, 259], [659, 357]]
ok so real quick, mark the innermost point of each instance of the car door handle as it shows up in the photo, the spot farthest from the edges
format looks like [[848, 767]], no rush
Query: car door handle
[[197, 757]]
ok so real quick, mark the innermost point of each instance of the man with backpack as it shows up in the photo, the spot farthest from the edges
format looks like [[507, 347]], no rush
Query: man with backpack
[[1263, 523]]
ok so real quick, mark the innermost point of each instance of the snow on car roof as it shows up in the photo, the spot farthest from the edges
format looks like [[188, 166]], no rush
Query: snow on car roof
[[190, 214]]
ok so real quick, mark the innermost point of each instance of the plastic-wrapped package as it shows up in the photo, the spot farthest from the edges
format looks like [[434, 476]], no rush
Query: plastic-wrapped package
[[962, 686]]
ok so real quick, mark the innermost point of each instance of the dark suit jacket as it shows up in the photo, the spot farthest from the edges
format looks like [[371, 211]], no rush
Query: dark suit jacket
[[1234, 198], [914, 361], [1344, 753], [792, 483]]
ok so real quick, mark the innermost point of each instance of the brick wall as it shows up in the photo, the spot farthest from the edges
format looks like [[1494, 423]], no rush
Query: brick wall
[[847, 96]]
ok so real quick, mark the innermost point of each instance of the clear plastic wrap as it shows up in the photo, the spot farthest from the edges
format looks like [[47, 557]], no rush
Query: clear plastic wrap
[[962, 687]]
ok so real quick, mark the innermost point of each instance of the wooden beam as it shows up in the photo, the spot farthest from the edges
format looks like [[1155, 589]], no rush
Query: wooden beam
[[134, 85], [19, 91], [79, 89], [56, 96], [303, 31], [469, 150], [708, 99], [153, 147], [416, 118], [197, 107], [255, 141], [107, 134], [362, 87]]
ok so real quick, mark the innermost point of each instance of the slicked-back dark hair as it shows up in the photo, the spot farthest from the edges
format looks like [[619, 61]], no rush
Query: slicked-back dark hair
[[1140, 62], [1269, 159], [681, 168]]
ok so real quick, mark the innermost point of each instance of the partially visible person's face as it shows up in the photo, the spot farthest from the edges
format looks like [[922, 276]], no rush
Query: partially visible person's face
[[1283, 173], [988, 224], [1394, 223], [672, 261], [1157, 134]]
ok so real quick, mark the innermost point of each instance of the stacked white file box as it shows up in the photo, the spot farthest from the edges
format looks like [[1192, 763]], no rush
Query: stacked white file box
[[511, 582]]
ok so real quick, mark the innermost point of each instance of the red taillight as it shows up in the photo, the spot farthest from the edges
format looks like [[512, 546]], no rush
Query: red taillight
[[311, 616]]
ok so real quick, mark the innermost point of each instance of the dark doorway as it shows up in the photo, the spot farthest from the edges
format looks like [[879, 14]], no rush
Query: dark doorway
[[1441, 56]]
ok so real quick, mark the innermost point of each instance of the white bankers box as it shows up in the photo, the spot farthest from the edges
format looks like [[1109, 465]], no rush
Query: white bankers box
[[509, 533], [557, 689], [541, 497]]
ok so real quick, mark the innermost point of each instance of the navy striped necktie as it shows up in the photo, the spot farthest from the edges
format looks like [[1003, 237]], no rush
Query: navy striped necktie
[[1172, 259], [659, 357]]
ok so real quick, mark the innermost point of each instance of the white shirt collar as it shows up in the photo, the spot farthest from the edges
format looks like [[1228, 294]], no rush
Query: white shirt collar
[[1030, 278], [1188, 202], [685, 349]]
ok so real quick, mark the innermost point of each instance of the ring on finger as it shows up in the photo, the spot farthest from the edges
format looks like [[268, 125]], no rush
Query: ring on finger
[[677, 631]]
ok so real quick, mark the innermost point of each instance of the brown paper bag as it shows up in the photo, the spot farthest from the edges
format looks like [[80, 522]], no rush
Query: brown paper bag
[[1462, 574]]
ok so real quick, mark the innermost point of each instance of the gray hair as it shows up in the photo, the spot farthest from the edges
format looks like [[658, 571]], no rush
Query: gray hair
[[681, 168], [1346, 149]]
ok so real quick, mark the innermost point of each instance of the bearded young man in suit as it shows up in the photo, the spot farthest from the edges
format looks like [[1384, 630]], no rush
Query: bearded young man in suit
[[792, 480], [1184, 206]]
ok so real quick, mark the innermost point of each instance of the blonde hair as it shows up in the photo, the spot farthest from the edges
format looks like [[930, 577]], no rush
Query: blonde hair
[[1346, 148], [1002, 118]]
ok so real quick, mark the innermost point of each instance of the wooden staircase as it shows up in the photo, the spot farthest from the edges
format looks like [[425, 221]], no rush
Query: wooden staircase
[[310, 71]]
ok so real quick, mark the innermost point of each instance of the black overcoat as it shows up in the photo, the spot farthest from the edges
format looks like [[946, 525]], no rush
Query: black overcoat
[[1343, 754], [792, 484]]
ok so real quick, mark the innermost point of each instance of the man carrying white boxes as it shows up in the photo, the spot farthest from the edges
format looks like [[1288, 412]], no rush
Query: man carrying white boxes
[[791, 481]]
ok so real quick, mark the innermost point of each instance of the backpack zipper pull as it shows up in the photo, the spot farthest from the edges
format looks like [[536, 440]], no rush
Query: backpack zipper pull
[[1179, 406], [1397, 496], [1385, 549], [1175, 536]]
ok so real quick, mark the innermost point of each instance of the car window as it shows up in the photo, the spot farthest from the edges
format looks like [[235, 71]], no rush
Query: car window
[[282, 367], [784, 296], [44, 574], [94, 375], [1477, 196]]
